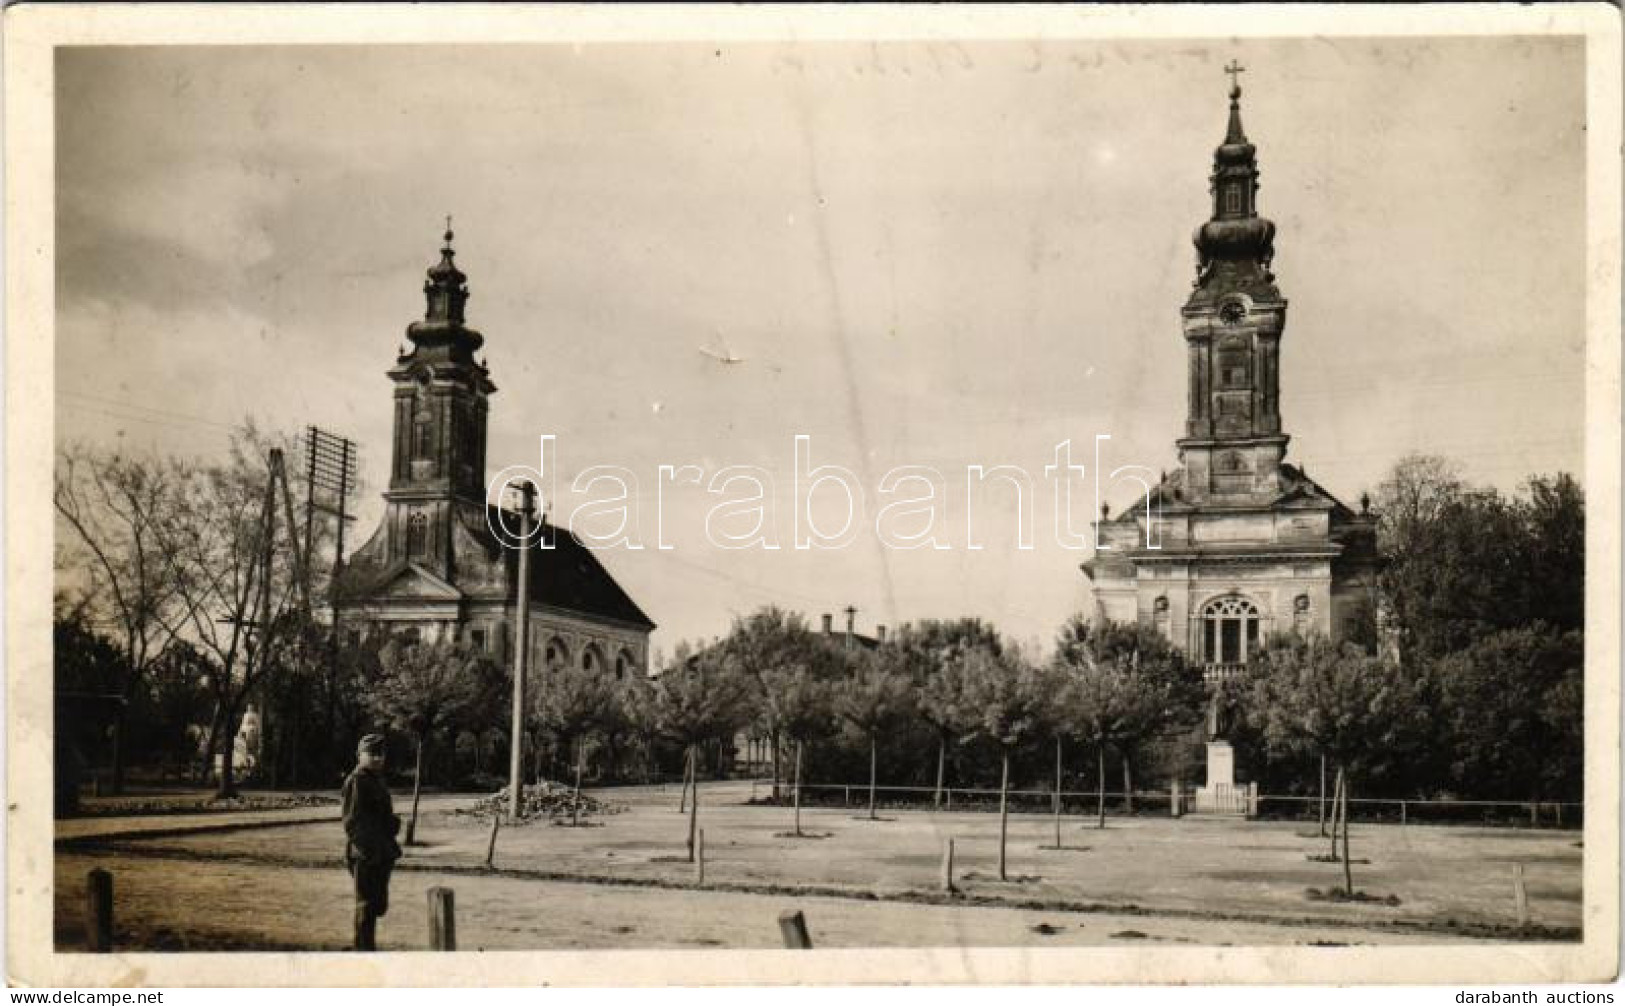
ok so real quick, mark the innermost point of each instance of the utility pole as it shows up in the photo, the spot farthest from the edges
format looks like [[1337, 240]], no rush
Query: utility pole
[[331, 466], [521, 654]]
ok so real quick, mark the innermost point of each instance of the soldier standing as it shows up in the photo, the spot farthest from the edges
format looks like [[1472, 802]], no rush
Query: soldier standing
[[370, 849]]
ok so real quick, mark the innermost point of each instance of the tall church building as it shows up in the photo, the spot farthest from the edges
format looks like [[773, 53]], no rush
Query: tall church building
[[1241, 544], [434, 569]]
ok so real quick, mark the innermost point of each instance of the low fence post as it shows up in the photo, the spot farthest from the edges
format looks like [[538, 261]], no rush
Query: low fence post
[[442, 919], [948, 867], [1520, 894], [1534, 815], [99, 912], [491, 843], [793, 928], [1402, 817], [950, 798], [699, 857], [1173, 798]]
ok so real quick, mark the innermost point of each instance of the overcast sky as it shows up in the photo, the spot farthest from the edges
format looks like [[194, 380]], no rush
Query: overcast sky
[[925, 255]]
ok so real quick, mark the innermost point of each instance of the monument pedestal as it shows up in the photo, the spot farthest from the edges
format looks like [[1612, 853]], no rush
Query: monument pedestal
[[1220, 794]]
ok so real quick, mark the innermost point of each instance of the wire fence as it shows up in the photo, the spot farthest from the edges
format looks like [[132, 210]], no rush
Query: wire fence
[[1280, 806]]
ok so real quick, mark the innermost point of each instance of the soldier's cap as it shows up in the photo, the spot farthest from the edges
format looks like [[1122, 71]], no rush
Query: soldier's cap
[[371, 744]]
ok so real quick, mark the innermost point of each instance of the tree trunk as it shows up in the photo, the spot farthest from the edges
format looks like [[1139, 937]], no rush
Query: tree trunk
[[874, 742], [1100, 795], [575, 798], [1337, 793], [1004, 810], [798, 789], [1348, 867], [1057, 791], [1322, 801], [117, 754], [417, 790], [693, 805], [228, 769], [773, 738], [688, 776], [1128, 785], [942, 759]]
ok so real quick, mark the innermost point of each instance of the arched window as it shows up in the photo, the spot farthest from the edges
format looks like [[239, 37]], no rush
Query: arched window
[[1300, 613], [592, 660], [557, 656], [417, 535], [623, 665], [1229, 630]]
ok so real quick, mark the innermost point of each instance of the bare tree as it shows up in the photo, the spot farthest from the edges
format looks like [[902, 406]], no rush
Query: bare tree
[[122, 513], [238, 586]]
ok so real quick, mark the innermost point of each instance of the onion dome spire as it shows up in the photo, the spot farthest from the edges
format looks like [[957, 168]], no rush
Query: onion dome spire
[[445, 288], [446, 291], [1236, 245]]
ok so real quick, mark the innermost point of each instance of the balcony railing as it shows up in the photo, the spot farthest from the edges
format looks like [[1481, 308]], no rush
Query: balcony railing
[[1215, 673]]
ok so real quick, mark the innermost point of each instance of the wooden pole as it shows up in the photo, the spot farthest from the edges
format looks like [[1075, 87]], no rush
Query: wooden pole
[[442, 919], [1057, 791], [797, 793], [521, 656], [99, 912], [793, 927], [694, 803], [1402, 812], [491, 843], [1337, 792], [1348, 867], [948, 867], [1520, 895], [699, 858], [1004, 811], [1322, 801]]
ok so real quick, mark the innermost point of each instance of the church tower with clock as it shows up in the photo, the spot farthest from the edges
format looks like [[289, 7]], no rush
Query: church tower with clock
[[1236, 543]]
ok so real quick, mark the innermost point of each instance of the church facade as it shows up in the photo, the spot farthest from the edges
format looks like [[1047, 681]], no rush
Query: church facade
[[1236, 543], [434, 569]]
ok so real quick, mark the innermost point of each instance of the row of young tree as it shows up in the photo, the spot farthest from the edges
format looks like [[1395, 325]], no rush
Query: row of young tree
[[167, 572]]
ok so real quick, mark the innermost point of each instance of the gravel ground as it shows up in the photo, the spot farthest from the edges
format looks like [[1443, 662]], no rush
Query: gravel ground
[[1209, 881]]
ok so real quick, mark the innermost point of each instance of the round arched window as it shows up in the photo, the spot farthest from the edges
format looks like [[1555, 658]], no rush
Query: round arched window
[[1229, 630], [557, 656]]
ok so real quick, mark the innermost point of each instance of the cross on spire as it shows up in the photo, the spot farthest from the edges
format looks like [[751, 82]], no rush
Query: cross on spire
[[1233, 69], [448, 228]]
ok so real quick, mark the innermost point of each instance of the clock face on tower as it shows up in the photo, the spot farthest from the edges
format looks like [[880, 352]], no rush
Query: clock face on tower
[[1232, 313]]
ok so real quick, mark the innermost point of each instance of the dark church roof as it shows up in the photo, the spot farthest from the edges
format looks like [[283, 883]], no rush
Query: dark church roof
[[569, 575]]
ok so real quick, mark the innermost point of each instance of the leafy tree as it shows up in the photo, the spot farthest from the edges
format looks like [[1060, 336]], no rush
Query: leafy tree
[[1155, 692], [873, 698], [1511, 706], [1461, 562], [698, 698], [572, 701], [766, 646], [803, 707], [1315, 696], [424, 687], [1008, 697], [931, 656]]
